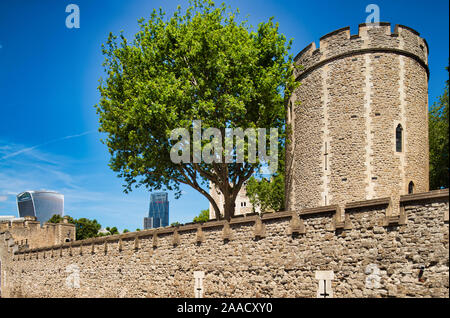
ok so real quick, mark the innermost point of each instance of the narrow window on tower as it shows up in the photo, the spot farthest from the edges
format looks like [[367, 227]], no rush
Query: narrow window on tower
[[290, 111], [398, 138], [326, 154], [411, 188]]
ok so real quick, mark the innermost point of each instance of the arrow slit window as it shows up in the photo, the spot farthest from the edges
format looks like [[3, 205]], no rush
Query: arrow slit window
[[398, 138]]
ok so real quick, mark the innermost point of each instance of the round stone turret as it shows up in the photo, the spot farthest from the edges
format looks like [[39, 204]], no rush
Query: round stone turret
[[359, 118]]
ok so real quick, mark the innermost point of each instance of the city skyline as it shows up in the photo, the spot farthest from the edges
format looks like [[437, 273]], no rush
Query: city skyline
[[48, 86]]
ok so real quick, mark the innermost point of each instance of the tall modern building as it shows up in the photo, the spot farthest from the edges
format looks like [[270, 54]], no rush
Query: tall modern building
[[41, 204], [158, 214]]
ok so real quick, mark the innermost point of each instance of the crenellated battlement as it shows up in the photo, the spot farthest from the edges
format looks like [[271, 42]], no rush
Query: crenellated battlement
[[29, 232], [335, 220], [370, 39], [359, 118]]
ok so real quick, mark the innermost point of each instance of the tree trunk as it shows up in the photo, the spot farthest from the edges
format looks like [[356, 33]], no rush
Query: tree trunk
[[230, 202], [216, 208], [229, 206]]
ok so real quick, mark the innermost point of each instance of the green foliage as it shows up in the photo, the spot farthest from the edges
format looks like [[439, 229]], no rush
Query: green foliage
[[137, 230], [111, 231], [438, 139], [126, 231], [200, 65], [86, 228], [202, 217], [175, 224], [56, 218], [268, 194]]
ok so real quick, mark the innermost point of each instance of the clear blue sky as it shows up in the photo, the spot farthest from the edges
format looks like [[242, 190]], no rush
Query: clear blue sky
[[48, 86]]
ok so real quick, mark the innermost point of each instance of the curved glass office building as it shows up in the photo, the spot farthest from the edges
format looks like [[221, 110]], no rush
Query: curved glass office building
[[41, 204]]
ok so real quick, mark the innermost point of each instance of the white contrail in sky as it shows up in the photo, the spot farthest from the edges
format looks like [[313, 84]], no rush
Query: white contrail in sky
[[13, 154]]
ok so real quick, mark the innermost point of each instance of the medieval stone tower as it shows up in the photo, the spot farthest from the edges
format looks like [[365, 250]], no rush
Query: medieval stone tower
[[359, 119]]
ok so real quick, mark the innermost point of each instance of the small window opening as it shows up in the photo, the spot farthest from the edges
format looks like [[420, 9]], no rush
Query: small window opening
[[421, 278], [411, 188], [398, 138], [290, 111]]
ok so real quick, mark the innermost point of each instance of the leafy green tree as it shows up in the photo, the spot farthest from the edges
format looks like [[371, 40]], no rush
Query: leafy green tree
[[202, 217], [125, 231], [200, 65], [268, 194], [137, 230], [438, 138], [112, 230], [56, 218], [175, 224], [86, 228]]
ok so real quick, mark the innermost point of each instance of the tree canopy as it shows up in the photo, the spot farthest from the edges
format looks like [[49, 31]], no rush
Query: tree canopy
[[111, 231], [438, 138], [267, 194], [56, 218], [198, 65], [202, 217]]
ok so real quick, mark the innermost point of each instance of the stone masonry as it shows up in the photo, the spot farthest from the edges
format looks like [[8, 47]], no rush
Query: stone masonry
[[276, 255], [355, 90], [358, 209]]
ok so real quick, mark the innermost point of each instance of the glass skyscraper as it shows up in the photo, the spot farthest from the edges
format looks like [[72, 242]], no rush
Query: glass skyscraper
[[158, 213], [41, 204]]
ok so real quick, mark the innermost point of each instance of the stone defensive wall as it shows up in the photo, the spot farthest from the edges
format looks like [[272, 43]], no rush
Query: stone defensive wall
[[370, 39], [371, 252]]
